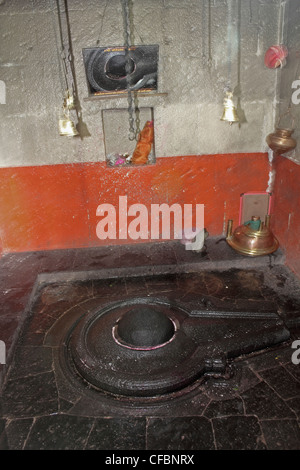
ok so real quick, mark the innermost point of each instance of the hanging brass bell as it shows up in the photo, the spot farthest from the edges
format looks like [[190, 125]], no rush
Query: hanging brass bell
[[67, 127], [229, 113], [65, 124]]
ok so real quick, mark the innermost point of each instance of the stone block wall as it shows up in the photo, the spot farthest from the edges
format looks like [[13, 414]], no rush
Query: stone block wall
[[193, 72]]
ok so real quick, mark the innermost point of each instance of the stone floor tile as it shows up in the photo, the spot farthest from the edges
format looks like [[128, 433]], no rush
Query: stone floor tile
[[58, 260], [162, 254], [117, 434], [16, 433], [270, 359], [40, 392], [282, 382], [13, 301], [184, 433], [294, 404], [140, 255], [59, 432], [96, 258], [238, 433], [3, 439], [294, 369], [265, 404], [31, 360], [19, 270], [219, 408], [281, 434], [108, 288]]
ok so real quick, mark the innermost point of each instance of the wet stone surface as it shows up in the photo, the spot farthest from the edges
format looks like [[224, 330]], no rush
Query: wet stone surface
[[253, 404]]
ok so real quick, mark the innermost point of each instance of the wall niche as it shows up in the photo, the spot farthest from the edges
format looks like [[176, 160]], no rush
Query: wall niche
[[120, 151]]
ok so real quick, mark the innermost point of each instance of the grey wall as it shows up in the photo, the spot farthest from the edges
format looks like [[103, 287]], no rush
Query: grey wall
[[187, 119]]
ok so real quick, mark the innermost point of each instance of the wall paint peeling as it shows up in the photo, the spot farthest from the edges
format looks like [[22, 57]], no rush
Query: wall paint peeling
[[272, 172]]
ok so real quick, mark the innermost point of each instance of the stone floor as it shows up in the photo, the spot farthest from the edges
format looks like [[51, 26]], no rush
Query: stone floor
[[254, 404]]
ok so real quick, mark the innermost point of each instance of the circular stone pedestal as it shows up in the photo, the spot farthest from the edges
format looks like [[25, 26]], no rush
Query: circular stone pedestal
[[135, 348]]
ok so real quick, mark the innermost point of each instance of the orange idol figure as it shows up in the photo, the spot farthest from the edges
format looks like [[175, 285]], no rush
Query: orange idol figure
[[143, 146]]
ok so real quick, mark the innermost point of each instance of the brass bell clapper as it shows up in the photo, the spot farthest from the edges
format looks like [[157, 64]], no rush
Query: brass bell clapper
[[66, 125], [229, 113]]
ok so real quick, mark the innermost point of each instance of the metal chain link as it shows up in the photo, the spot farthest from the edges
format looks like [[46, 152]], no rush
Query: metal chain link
[[62, 47], [137, 116], [132, 102]]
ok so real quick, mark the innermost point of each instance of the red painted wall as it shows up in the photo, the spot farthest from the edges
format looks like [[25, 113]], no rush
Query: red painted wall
[[286, 209], [54, 207]]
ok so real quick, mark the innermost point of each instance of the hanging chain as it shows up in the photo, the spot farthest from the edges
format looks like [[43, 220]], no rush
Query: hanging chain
[[137, 116], [209, 59], [131, 96], [62, 46], [206, 34], [58, 43], [203, 28], [66, 56]]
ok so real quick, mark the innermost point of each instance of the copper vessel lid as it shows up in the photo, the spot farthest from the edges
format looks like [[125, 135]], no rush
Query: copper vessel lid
[[253, 242]]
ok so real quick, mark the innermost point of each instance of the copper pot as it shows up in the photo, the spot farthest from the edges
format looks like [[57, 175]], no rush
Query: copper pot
[[281, 141], [252, 242]]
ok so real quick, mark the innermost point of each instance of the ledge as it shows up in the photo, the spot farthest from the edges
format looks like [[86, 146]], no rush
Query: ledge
[[106, 96]]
